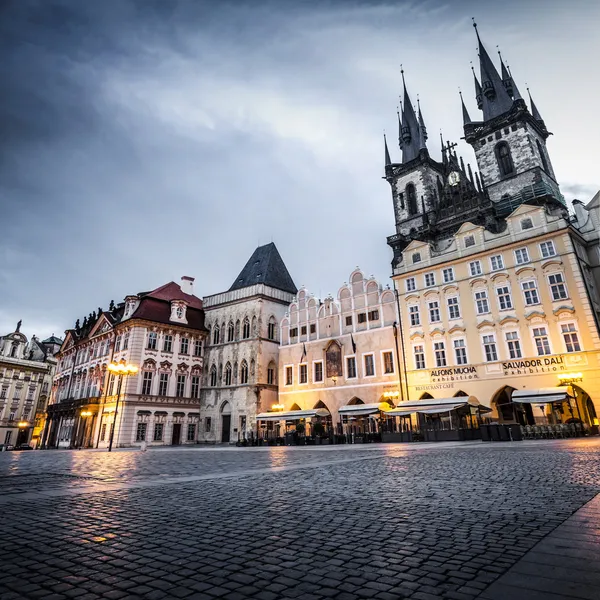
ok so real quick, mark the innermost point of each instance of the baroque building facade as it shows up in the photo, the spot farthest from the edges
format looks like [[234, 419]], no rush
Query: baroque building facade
[[26, 372], [161, 333], [497, 282], [338, 359], [242, 351]]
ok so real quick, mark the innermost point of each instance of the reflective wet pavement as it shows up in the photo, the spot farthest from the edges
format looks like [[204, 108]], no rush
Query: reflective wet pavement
[[396, 521]]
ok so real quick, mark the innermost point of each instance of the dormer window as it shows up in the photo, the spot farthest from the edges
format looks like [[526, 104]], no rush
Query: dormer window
[[178, 311], [416, 257], [526, 224], [469, 241]]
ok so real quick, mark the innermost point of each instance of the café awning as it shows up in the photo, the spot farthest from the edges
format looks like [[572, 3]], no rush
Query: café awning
[[432, 406], [540, 395], [358, 410], [292, 415]]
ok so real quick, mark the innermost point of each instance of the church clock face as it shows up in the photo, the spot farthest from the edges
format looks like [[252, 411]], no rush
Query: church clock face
[[454, 178]]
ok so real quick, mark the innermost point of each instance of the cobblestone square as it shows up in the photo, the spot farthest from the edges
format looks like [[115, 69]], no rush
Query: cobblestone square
[[345, 522]]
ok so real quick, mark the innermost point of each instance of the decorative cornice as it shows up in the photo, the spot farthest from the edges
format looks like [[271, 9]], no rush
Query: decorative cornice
[[509, 319], [535, 313], [523, 269], [560, 309], [485, 323], [477, 280]]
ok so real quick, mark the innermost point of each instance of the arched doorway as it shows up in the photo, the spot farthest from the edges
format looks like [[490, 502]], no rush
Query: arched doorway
[[321, 426], [460, 394], [509, 411], [226, 422], [426, 396]]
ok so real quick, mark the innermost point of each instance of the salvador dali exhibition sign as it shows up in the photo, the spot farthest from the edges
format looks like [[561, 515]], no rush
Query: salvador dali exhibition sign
[[533, 366]]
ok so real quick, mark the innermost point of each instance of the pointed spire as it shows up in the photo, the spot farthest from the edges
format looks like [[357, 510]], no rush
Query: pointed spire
[[534, 111], [478, 92], [388, 160], [496, 99], [462, 164], [411, 142], [477, 182], [506, 78], [444, 159], [399, 126], [465, 112], [470, 173], [422, 128]]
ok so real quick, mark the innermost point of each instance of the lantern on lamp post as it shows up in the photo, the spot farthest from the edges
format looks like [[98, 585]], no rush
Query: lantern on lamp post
[[119, 370]]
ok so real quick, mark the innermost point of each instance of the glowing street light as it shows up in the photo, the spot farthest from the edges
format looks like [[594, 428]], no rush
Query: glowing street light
[[86, 413], [120, 370], [23, 424]]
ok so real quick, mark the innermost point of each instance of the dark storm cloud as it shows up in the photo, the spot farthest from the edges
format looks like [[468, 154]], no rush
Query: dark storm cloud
[[146, 139]]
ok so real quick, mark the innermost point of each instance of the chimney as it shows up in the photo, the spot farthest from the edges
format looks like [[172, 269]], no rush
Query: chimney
[[187, 285]]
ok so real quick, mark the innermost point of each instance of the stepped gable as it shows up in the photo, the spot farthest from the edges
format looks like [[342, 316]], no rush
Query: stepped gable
[[265, 266]]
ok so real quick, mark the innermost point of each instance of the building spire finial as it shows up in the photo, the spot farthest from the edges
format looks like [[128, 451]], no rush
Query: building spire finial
[[388, 160], [465, 112]]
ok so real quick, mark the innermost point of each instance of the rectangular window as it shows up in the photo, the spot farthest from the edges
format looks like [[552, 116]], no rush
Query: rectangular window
[[158, 432], [140, 434], [526, 224], [521, 256], [489, 348], [147, 383], [429, 279], [207, 424], [195, 386], [434, 311], [168, 343], [271, 331], [152, 337], [411, 284], [460, 352], [348, 321], [419, 354], [118, 344], [547, 249], [184, 346], [362, 318], [448, 274], [469, 241], [416, 257], [558, 287], [294, 332], [497, 262], [453, 308], [303, 330], [313, 328], [530, 292], [198, 348], [514, 344], [180, 392], [369, 365], [289, 376], [415, 317], [475, 268], [126, 341], [542, 344], [191, 432], [163, 384], [374, 315], [350, 367], [388, 363], [504, 299], [481, 301], [103, 432], [270, 375], [303, 374], [569, 333], [318, 371], [439, 350]]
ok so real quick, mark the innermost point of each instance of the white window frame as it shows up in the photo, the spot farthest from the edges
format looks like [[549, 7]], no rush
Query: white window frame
[[382, 352], [483, 344], [300, 365], [450, 317], [412, 286], [545, 243], [479, 269], [346, 358], [418, 313], [315, 363], [364, 361], [427, 276], [414, 355], [285, 378], [563, 333], [439, 312], [442, 349], [502, 286], [519, 252], [563, 282], [449, 270], [548, 337], [536, 288], [500, 259], [507, 342], [486, 298], [454, 349]]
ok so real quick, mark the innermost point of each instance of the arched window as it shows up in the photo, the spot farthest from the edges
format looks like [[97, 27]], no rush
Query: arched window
[[505, 163], [272, 373], [237, 329], [246, 329], [13, 351], [223, 332], [542, 155], [216, 332], [213, 376], [271, 328], [244, 372], [230, 332], [228, 374], [411, 198]]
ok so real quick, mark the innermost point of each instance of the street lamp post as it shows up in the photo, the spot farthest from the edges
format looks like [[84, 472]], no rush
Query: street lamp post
[[119, 370]]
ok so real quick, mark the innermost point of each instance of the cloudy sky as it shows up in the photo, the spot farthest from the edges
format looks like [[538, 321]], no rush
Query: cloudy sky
[[143, 140]]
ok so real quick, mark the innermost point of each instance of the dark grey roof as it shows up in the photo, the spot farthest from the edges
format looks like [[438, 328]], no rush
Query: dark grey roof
[[52, 340], [265, 266]]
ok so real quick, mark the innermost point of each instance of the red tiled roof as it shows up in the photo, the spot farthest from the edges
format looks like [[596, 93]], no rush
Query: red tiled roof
[[172, 291], [152, 309]]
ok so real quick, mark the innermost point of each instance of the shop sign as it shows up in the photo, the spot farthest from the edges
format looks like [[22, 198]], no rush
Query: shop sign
[[439, 386], [533, 366], [454, 374]]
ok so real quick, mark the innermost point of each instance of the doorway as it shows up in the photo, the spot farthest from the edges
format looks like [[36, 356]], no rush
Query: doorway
[[225, 428], [176, 440]]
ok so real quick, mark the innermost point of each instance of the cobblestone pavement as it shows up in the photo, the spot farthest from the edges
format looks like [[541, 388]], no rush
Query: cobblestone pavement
[[397, 521]]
